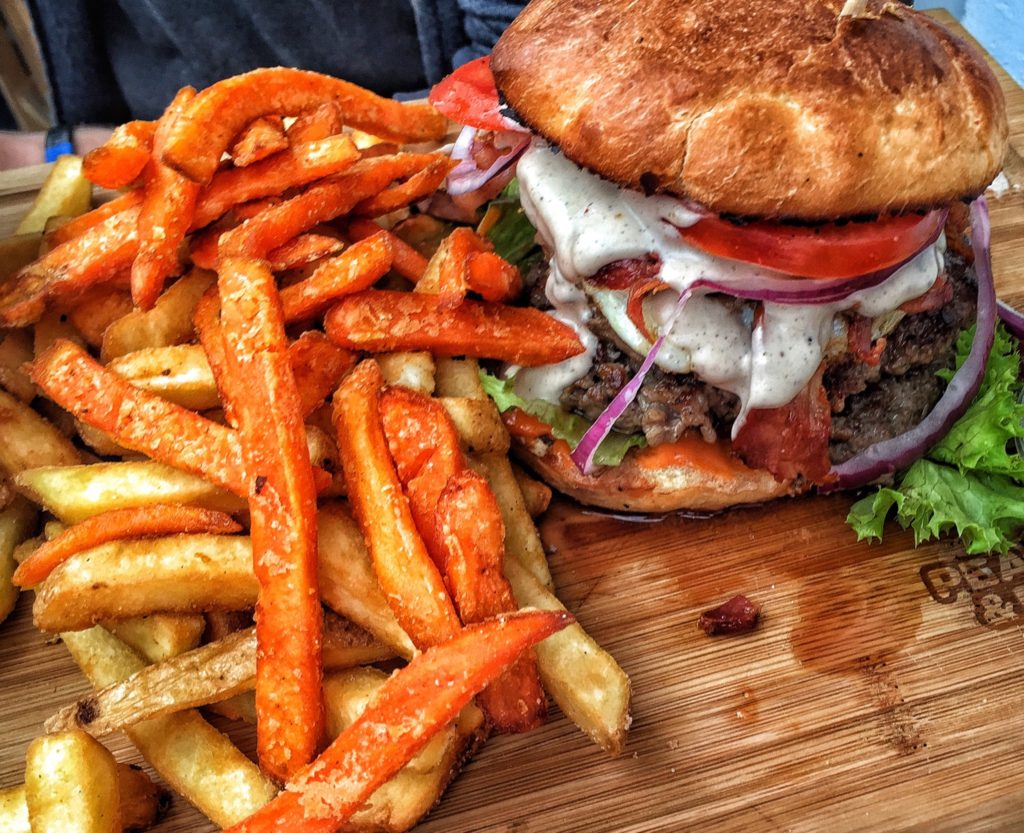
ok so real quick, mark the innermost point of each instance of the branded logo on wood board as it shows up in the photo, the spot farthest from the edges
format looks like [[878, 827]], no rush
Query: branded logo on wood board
[[993, 584]]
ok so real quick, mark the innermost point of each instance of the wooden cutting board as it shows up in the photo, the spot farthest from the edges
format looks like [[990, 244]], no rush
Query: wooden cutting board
[[882, 691]]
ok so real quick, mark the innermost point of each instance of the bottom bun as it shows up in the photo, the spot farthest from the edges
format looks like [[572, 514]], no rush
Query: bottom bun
[[691, 475]]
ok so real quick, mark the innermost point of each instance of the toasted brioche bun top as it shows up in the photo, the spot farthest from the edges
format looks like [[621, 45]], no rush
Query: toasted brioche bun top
[[766, 108]]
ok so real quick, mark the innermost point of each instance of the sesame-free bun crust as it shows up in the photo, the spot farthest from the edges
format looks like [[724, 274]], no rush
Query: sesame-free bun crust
[[768, 108], [634, 487]]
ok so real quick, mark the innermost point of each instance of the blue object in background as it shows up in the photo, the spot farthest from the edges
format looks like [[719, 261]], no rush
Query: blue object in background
[[998, 25]]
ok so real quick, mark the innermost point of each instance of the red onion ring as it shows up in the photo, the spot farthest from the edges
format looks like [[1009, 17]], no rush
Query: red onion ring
[[1013, 320], [889, 456], [466, 176], [583, 454]]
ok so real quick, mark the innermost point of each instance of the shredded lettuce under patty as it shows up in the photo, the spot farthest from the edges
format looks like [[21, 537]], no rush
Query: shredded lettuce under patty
[[564, 425], [971, 481]]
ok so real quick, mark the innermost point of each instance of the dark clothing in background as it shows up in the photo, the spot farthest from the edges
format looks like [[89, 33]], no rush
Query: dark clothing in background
[[112, 60]]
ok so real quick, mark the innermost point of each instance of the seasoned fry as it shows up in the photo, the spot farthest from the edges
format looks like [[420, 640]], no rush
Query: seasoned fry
[[479, 424], [536, 494], [419, 185], [405, 259], [157, 520], [407, 575], [76, 226], [219, 112], [384, 321], [120, 160], [348, 584], [291, 168], [15, 351], [289, 675], [182, 573], [303, 250], [447, 272], [17, 522], [408, 370], [324, 121], [195, 759], [586, 682], [263, 137], [74, 493], [434, 687], [96, 309], [179, 373], [71, 785], [358, 268], [95, 256], [64, 193], [29, 440], [159, 636], [53, 327], [168, 322], [471, 536], [320, 202], [319, 366], [168, 207]]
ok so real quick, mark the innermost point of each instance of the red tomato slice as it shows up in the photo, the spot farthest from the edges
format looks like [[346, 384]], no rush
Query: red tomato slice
[[823, 251], [469, 96]]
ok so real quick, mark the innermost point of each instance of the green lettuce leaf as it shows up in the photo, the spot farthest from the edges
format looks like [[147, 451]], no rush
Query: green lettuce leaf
[[972, 481], [564, 426], [513, 236]]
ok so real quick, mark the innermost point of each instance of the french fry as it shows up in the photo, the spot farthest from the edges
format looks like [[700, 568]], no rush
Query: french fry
[[141, 802], [95, 256], [159, 636], [29, 440], [181, 573], [408, 370], [168, 206], [65, 192], [303, 250], [195, 759], [152, 521], [348, 584], [261, 138], [291, 168], [169, 322], [52, 327], [217, 114], [584, 679], [471, 536], [434, 687], [358, 268], [76, 226], [15, 351], [479, 424], [384, 321], [119, 161], [319, 123], [419, 185], [18, 252], [71, 785], [96, 309], [536, 495], [407, 575], [16, 524], [179, 373], [74, 493], [139, 420], [289, 674], [405, 259]]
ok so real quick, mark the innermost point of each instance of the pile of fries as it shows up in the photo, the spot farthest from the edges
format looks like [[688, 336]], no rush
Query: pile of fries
[[247, 456]]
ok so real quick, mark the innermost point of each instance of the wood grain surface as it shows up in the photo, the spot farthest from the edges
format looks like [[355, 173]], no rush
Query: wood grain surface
[[882, 691]]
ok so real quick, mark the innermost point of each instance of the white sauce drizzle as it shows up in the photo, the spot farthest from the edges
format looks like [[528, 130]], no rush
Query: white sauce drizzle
[[588, 223]]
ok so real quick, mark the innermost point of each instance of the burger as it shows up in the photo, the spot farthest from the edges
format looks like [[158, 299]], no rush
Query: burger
[[755, 217]]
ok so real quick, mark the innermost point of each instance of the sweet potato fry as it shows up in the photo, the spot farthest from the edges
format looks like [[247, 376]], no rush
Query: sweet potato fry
[[447, 271], [405, 259], [383, 321], [261, 138], [139, 420], [289, 169], [493, 278], [218, 113], [356, 269], [93, 257], [168, 206], [326, 120], [118, 162], [83, 222], [158, 519], [419, 185], [319, 366], [303, 250], [409, 578], [472, 534], [289, 697], [434, 687], [323, 201]]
